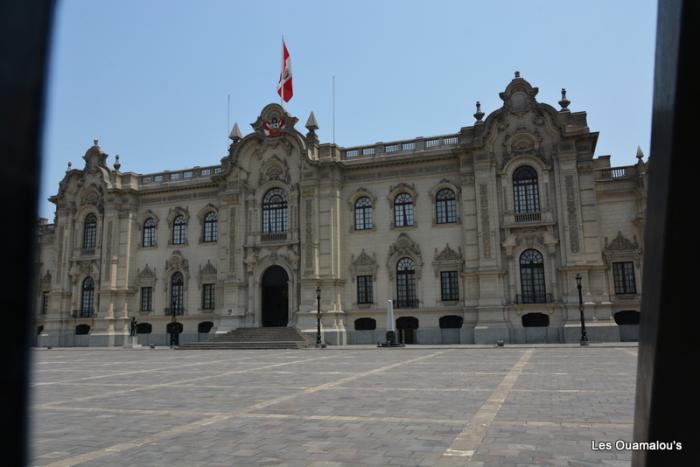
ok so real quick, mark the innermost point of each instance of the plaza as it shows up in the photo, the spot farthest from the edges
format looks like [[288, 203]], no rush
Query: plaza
[[420, 405]]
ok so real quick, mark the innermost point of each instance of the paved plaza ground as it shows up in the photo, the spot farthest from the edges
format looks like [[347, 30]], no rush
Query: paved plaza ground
[[337, 406]]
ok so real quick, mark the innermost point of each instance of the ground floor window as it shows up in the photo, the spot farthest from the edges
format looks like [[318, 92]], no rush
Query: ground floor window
[[364, 289], [623, 274], [449, 285], [82, 330], [451, 322], [144, 328], [533, 320]]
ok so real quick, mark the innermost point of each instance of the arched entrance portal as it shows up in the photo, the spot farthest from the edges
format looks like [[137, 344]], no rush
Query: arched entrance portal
[[275, 303]]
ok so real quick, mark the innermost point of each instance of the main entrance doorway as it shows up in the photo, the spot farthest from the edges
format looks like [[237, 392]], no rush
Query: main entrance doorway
[[275, 303]]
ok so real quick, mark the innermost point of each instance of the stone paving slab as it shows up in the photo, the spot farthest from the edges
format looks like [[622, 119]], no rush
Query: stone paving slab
[[359, 406]]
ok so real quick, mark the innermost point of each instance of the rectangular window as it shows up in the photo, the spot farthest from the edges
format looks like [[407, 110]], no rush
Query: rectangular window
[[207, 296], [44, 303], [623, 274], [449, 285], [364, 289], [146, 298]]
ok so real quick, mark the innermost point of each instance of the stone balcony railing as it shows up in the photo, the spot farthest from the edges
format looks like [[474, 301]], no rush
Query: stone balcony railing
[[180, 175], [399, 147], [618, 173]]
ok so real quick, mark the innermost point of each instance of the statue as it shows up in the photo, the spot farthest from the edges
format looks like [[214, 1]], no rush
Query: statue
[[132, 327]]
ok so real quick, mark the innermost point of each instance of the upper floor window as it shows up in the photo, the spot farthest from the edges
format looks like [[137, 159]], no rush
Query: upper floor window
[[403, 210], [525, 192], [623, 274], [275, 211], [211, 230], [90, 231], [179, 231], [87, 297], [406, 283], [363, 213], [149, 232], [445, 206], [532, 283]]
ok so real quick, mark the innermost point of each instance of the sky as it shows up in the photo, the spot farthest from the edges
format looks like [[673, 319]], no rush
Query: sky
[[152, 79]]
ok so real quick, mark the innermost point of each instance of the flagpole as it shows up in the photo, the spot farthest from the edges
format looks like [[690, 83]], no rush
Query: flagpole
[[281, 82], [228, 114], [334, 110]]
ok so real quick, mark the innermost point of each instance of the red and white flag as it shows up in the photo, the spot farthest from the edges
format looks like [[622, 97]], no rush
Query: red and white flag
[[284, 87]]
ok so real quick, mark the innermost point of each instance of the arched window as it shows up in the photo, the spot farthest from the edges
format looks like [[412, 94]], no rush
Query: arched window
[[365, 324], [177, 294], [403, 210], [90, 231], [149, 232], [144, 328], [82, 330], [525, 193], [211, 227], [87, 297], [363, 213], [179, 230], [535, 320], [445, 206], [275, 211], [406, 283], [532, 283]]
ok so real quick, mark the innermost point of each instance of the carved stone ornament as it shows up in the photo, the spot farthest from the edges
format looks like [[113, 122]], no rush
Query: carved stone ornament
[[448, 259], [207, 273], [177, 263], [82, 269], [363, 265], [274, 121], [274, 169], [622, 248], [519, 96], [404, 246], [146, 276], [46, 279], [95, 159]]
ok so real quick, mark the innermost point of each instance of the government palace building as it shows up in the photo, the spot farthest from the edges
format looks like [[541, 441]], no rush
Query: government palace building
[[475, 236]]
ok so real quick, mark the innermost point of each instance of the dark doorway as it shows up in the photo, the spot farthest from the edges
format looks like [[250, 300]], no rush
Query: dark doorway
[[533, 320], [626, 317], [174, 330], [275, 303], [406, 327]]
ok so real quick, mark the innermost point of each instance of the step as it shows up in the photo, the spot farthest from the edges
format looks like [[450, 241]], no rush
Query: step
[[242, 345]]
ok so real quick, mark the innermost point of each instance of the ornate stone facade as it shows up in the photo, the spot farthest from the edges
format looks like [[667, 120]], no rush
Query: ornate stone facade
[[507, 211]]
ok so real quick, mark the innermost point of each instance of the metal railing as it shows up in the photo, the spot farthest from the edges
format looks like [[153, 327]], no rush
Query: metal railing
[[178, 311], [274, 237], [524, 299], [525, 217], [406, 303], [618, 173]]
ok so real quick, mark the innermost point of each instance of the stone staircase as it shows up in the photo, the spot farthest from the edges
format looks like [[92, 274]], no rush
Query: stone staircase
[[254, 338]]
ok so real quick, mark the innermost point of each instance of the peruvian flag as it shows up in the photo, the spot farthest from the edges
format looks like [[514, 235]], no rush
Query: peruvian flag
[[284, 87]]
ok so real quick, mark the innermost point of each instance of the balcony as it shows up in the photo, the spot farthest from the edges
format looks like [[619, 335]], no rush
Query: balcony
[[87, 251], [177, 311], [87, 313], [406, 303], [533, 298], [526, 217], [274, 237]]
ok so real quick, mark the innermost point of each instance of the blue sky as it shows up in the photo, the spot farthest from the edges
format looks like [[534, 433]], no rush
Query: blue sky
[[150, 79]]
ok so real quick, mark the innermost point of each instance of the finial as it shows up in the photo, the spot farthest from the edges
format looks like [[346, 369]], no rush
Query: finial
[[117, 164], [312, 126], [235, 134], [640, 154], [70, 166], [517, 74], [479, 114], [564, 102], [311, 123], [95, 142]]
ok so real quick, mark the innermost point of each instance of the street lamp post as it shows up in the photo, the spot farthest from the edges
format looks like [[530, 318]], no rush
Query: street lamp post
[[584, 336], [173, 325], [318, 316]]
